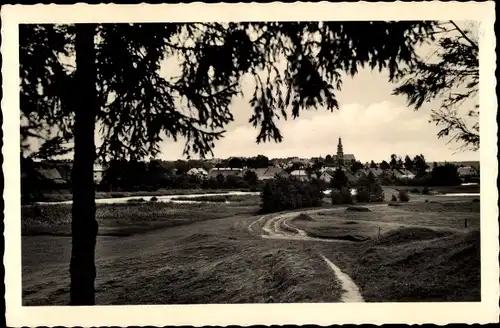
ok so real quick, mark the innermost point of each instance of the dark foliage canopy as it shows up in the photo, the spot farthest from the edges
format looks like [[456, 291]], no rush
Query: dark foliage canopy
[[295, 65], [450, 74]]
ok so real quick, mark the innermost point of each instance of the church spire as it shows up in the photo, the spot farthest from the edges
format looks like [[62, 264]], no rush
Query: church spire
[[340, 153]]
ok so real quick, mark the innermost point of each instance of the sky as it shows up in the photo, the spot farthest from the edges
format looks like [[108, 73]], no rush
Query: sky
[[372, 123]]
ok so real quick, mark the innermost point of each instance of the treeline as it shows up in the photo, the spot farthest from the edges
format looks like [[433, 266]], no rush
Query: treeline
[[130, 176], [183, 166], [440, 175]]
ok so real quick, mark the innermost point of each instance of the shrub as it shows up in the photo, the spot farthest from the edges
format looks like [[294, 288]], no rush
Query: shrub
[[288, 194], [415, 191], [363, 196], [394, 198], [336, 197], [339, 180], [342, 196], [403, 196], [346, 196], [136, 200], [425, 191], [154, 199]]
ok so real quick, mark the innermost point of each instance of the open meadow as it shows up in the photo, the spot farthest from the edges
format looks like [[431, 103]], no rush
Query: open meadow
[[222, 251]]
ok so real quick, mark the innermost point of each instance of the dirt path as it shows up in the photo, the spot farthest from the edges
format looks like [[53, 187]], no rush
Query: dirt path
[[279, 227], [351, 292]]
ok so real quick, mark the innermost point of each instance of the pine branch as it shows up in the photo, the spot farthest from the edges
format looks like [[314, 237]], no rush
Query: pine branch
[[472, 43]]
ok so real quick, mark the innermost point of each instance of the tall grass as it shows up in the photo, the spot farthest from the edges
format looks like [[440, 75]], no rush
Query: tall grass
[[132, 217]]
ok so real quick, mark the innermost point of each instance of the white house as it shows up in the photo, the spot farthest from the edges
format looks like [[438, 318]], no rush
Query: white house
[[198, 172], [302, 175], [467, 171], [99, 172], [328, 168], [327, 177]]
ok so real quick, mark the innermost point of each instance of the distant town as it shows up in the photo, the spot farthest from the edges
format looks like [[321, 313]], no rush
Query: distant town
[[233, 172]]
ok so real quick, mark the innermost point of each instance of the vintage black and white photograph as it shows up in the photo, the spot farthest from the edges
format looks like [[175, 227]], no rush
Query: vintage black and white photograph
[[250, 162]]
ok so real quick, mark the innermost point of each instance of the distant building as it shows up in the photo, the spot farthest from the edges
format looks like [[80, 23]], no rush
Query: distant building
[[328, 168], [403, 174], [268, 173], [198, 172], [302, 175], [224, 172], [51, 175], [326, 177], [342, 159], [467, 171], [99, 172]]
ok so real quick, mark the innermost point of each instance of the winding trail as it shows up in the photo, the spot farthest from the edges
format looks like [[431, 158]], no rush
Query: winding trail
[[351, 292], [279, 227]]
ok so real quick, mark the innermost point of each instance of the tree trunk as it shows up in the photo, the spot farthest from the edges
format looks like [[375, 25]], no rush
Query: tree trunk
[[84, 225]]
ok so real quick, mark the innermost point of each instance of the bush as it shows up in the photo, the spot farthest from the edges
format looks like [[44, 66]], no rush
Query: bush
[[403, 196], [415, 191], [425, 191], [342, 196], [289, 193], [154, 199], [394, 198], [363, 196], [336, 197], [136, 200]]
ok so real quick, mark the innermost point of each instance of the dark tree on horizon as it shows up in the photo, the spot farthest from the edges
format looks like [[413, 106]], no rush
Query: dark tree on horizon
[[117, 90], [384, 165]]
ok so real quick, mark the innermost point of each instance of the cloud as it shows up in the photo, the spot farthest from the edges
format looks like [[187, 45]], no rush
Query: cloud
[[369, 132]]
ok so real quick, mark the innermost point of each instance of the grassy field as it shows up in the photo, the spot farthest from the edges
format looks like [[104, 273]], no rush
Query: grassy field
[[414, 252], [126, 219], [167, 253]]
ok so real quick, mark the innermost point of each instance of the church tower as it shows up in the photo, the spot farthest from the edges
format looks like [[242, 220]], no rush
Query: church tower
[[340, 153]]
